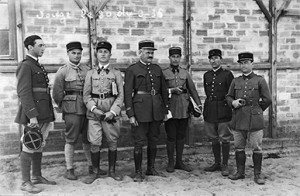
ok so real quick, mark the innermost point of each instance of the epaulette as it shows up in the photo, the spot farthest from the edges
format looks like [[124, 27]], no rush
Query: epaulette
[[185, 68], [61, 67]]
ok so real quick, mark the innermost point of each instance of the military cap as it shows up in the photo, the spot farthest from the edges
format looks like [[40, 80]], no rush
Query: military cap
[[174, 50], [214, 52], [104, 44], [245, 56], [147, 44], [73, 45]]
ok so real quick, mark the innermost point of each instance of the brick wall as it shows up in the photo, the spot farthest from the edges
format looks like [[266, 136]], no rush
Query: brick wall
[[231, 25]]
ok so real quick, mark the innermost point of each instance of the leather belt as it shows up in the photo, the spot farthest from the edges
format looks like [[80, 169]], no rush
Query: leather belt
[[251, 103], [41, 90], [215, 98], [152, 92], [74, 93], [101, 95]]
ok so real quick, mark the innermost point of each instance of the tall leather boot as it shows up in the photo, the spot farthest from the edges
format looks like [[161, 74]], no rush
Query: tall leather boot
[[138, 158], [216, 148], [151, 154], [112, 158], [179, 163], [257, 161], [25, 162], [170, 152], [95, 156], [225, 154], [37, 177], [240, 157]]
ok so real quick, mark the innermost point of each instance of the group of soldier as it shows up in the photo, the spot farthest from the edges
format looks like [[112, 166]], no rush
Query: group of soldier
[[91, 99]]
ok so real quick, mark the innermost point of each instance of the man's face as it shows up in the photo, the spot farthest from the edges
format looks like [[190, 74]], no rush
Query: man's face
[[75, 56], [38, 49], [246, 66], [146, 55], [175, 59], [103, 55], [215, 62]]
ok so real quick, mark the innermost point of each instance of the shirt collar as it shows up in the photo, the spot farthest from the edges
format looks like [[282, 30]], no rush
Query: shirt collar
[[33, 57], [74, 65], [248, 74], [103, 66], [215, 70]]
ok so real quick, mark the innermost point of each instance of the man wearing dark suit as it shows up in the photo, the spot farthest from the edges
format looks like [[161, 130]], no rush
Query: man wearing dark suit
[[146, 99], [35, 110], [217, 113]]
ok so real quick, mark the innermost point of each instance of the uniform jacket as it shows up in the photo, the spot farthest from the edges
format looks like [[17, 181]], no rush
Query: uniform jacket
[[70, 78], [216, 85], [30, 74], [145, 107], [97, 83], [178, 104], [255, 91]]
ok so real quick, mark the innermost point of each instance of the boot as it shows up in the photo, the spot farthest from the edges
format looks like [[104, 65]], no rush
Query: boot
[[30, 188], [112, 158], [257, 161], [138, 158], [70, 175], [225, 153], [87, 152], [170, 152], [216, 147], [179, 150], [240, 158], [25, 162], [37, 177], [95, 156], [151, 154]]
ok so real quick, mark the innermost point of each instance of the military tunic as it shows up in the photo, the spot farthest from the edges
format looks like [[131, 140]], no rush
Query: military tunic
[[145, 107], [100, 82], [216, 85], [179, 103], [255, 91], [34, 94], [68, 95]]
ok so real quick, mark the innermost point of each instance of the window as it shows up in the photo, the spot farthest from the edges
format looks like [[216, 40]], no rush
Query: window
[[7, 30]]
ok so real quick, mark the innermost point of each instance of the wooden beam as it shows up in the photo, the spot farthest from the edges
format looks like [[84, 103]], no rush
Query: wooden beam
[[281, 9], [291, 12], [273, 73], [264, 10], [187, 32]]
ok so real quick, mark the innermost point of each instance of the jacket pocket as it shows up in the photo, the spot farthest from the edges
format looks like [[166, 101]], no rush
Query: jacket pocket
[[257, 119], [69, 104], [43, 106]]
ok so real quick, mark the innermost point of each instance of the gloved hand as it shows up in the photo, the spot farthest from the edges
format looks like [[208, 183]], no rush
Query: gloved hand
[[99, 114], [238, 103]]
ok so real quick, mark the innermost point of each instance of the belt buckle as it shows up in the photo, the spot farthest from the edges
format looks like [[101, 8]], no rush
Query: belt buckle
[[153, 92], [210, 98], [102, 96]]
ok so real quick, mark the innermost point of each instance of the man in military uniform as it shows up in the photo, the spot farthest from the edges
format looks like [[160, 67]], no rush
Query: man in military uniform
[[146, 99], [35, 110], [217, 113], [180, 87], [103, 95], [68, 95], [249, 96]]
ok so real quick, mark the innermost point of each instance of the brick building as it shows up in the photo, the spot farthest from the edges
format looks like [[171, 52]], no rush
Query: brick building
[[195, 25]]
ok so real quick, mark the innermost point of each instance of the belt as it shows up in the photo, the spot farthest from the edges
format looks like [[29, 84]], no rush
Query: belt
[[41, 90], [101, 95], [152, 92], [251, 102], [215, 98], [74, 93]]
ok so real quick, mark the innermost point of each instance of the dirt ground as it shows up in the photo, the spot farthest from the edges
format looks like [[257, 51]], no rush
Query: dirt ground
[[282, 178]]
